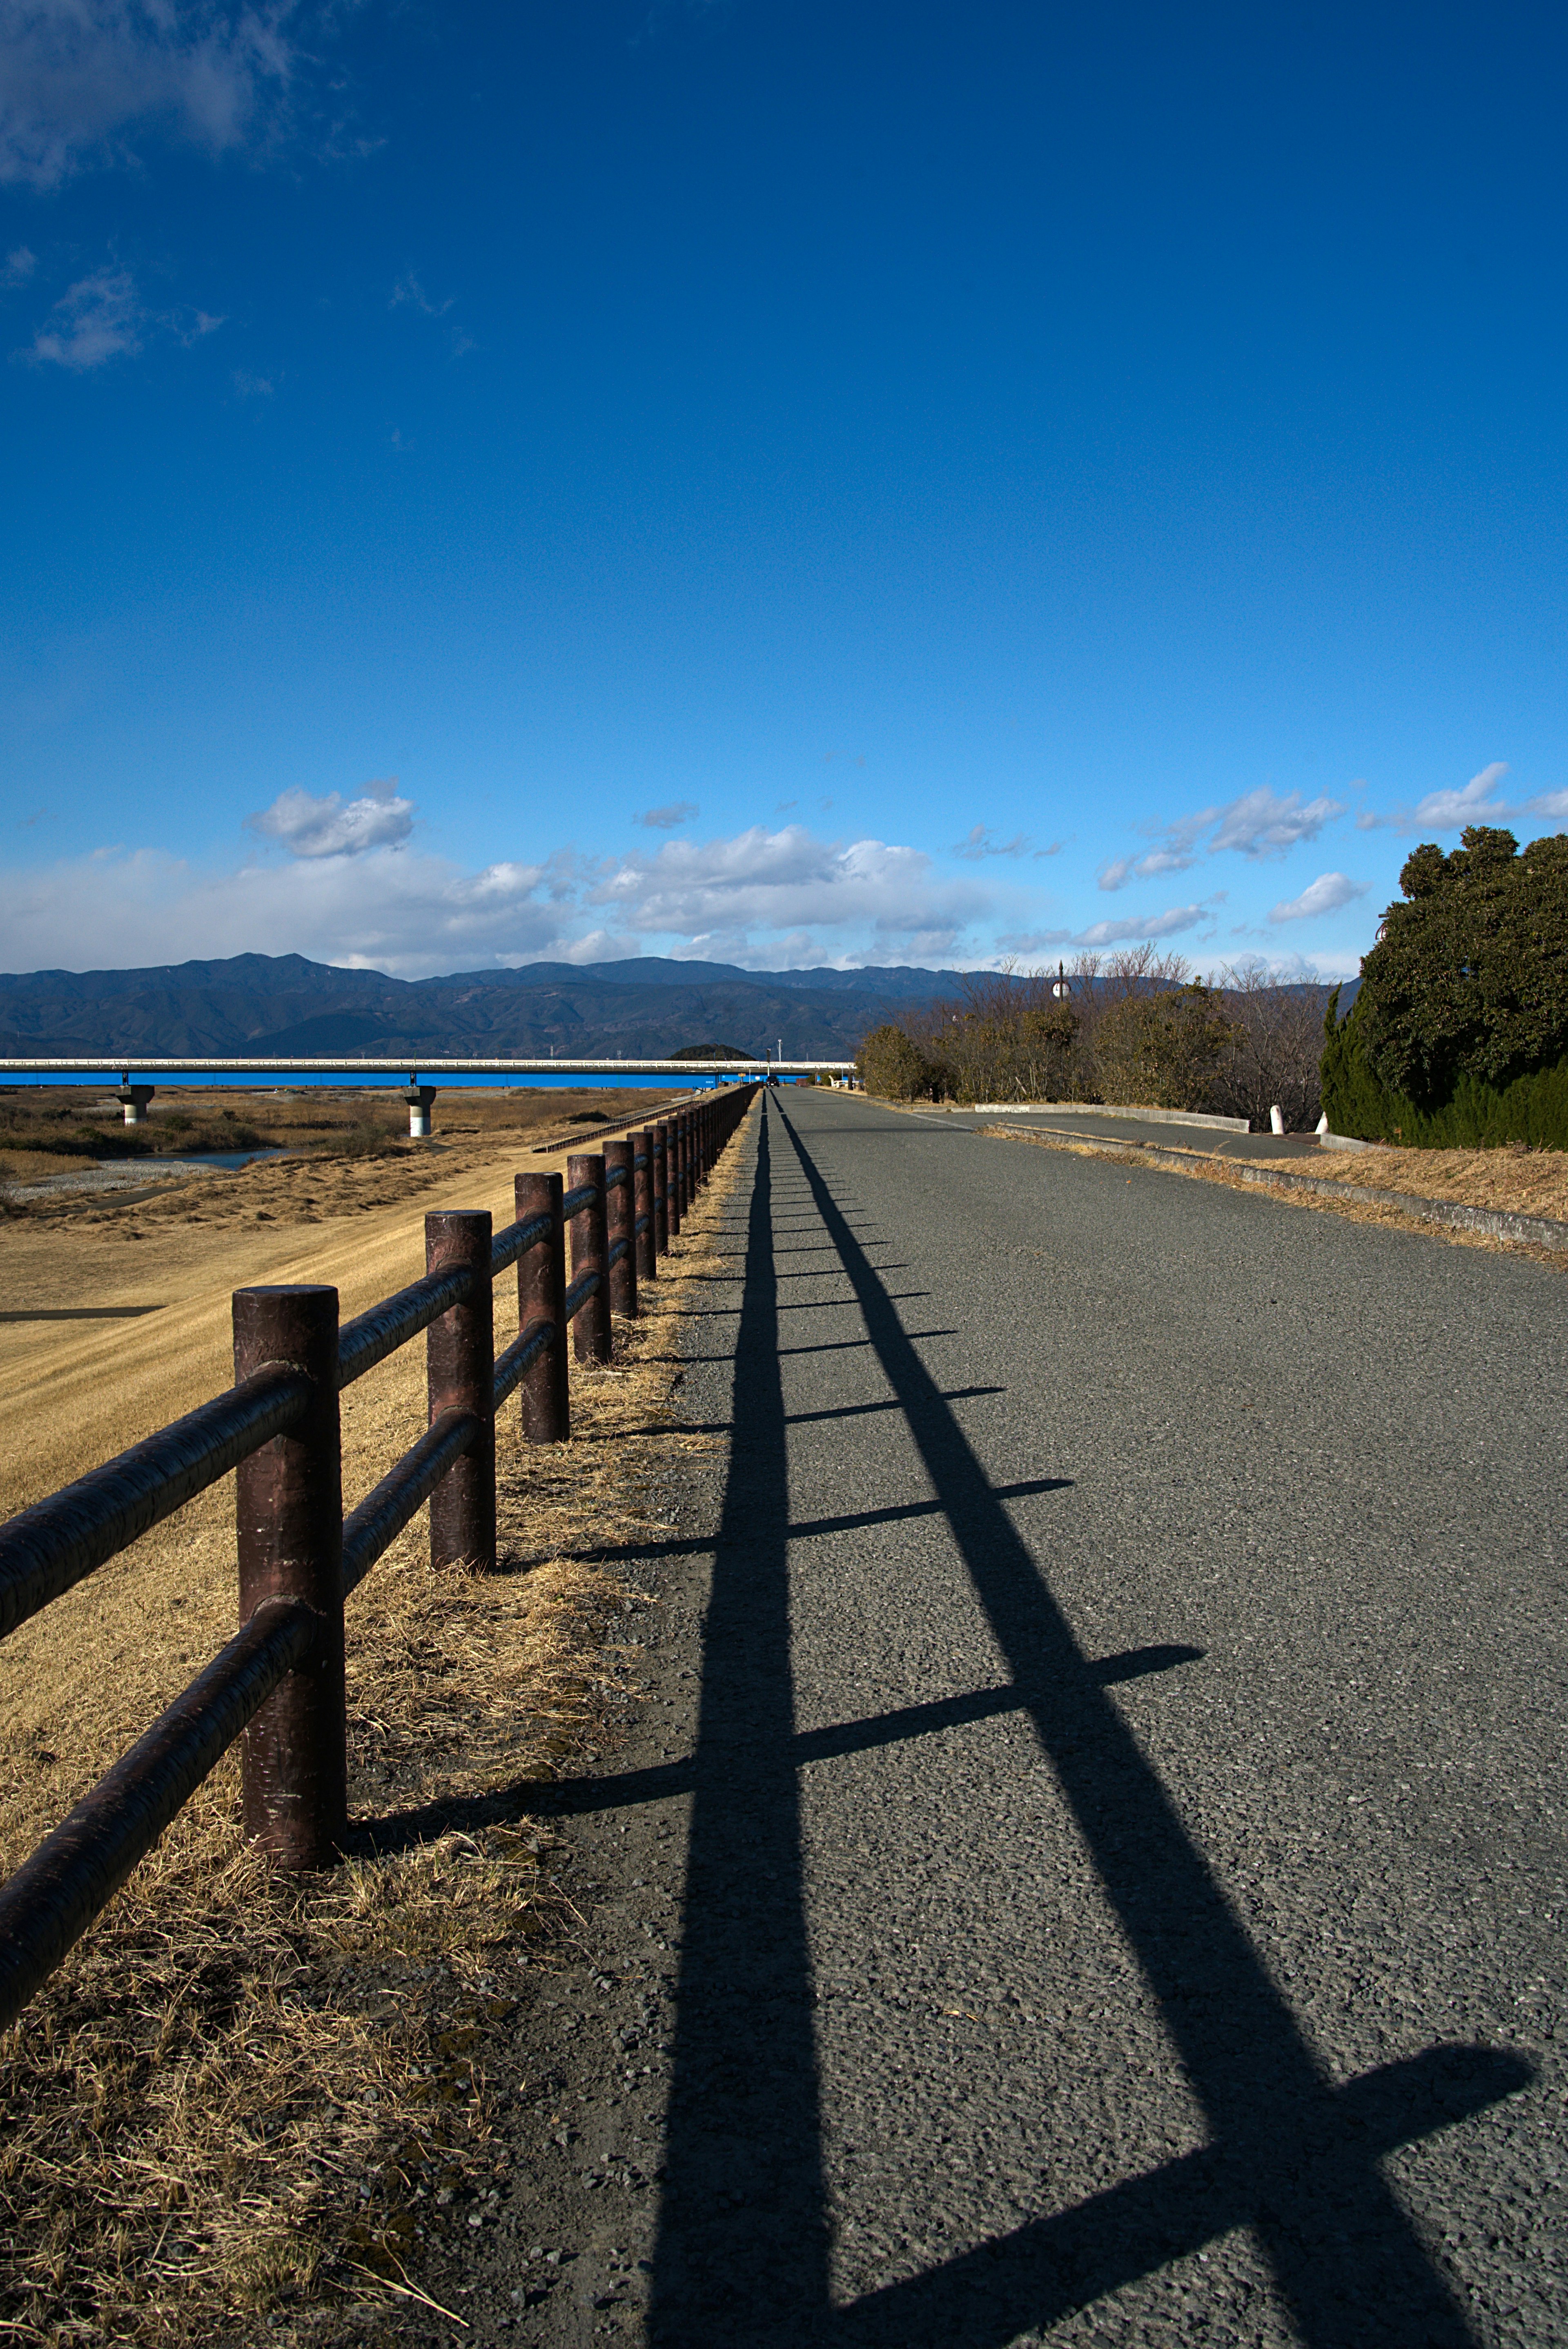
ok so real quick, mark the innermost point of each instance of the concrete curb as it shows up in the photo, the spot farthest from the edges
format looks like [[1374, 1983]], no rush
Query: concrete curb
[[1492, 1223]]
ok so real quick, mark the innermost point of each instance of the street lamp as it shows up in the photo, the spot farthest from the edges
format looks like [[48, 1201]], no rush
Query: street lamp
[[1061, 986]]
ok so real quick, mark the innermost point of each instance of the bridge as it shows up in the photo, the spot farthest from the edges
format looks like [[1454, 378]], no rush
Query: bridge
[[424, 1076]]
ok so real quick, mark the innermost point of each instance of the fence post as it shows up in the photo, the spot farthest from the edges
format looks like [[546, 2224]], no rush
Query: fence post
[[459, 1357], [288, 1516], [619, 1219], [643, 1204], [662, 1190], [590, 1246], [542, 1297], [673, 1176], [683, 1162]]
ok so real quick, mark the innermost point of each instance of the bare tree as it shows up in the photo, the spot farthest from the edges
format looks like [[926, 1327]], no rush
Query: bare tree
[[1276, 1048]]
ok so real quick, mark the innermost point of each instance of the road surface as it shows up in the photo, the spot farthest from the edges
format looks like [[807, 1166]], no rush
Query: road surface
[[1095, 1847]]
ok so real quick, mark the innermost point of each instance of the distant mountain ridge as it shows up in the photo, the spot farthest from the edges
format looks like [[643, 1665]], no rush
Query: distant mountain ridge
[[276, 1005]]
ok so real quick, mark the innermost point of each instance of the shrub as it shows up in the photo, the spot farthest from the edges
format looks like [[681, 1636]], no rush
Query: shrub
[[1470, 974], [1532, 1109], [1162, 1049], [891, 1064], [1459, 1036]]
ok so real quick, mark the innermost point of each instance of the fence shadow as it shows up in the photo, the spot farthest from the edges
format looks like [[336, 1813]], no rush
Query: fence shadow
[[742, 2252]]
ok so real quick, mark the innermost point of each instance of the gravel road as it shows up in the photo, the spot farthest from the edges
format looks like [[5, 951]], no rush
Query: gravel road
[[1091, 1866]]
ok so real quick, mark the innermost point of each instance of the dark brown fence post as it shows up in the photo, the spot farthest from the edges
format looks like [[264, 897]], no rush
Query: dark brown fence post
[[682, 1161], [620, 1216], [673, 1177], [589, 1247], [662, 1190], [647, 1249], [288, 1514], [459, 1355], [545, 1389]]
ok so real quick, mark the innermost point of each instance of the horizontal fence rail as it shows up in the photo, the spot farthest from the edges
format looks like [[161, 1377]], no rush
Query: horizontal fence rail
[[279, 1683]]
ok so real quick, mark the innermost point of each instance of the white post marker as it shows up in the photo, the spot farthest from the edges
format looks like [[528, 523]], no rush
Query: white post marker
[[1276, 1119]]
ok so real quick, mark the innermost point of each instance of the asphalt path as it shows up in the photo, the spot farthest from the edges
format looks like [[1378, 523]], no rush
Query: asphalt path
[[1118, 1893], [1168, 1134]]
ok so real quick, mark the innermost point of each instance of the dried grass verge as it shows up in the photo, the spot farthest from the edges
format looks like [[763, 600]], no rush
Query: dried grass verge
[[243, 2107]]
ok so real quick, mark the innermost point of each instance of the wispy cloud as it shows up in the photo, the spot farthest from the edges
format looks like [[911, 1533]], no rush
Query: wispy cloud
[[17, 267], [982, 842], [1132, 929], [81, 76], [103, 317], [1478, 802], [1327, 894], [330, 825], [666, 819], [98, 318], [409, 291], [1259, 824]]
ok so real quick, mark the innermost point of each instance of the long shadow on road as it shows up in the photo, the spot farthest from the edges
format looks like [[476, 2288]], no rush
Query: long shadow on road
[[743, 2250]]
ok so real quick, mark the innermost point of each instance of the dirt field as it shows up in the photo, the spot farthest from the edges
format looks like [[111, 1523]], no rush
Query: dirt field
[[116, 1319], [242, 2104]]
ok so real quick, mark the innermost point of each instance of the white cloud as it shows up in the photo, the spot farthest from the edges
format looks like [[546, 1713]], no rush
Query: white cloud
[[1324, 895], [333, 826], [80, 75], [1259, 824], [1265, 824], [1552, 804], [17, 267], [718, 894], [1451, 810], [349, 892], [666, 819], [391, 909], [1170, 924]]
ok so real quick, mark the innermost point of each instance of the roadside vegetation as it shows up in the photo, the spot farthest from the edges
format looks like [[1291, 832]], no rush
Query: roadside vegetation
[[1457, 1038], [1137, 1026], [245, 2109], [1459, 1035]]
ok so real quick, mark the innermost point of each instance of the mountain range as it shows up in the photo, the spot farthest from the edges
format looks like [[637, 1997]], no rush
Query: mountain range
[[274, 1005]]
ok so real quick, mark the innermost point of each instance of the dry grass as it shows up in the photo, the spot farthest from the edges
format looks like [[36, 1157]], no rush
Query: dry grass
[[239, 2102], [1516, 1179]]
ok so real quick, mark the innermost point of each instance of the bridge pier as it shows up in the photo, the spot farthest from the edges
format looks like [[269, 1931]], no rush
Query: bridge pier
[[134, 1100], [420, 1099]]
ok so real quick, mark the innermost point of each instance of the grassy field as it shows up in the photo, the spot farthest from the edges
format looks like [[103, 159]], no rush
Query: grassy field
[[235, 2097]]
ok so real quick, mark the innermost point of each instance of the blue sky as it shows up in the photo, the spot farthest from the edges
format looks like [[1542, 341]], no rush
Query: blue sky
[[775, 484]]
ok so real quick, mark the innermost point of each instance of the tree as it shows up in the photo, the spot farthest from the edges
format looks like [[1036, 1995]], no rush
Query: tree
[[891, 1064], [1161, 1048], [1275, 1049], [1470, 974]]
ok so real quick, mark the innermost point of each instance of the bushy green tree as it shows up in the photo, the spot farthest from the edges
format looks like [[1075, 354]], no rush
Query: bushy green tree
[[891, 1064], [1459, 1037], [1470, 973]]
